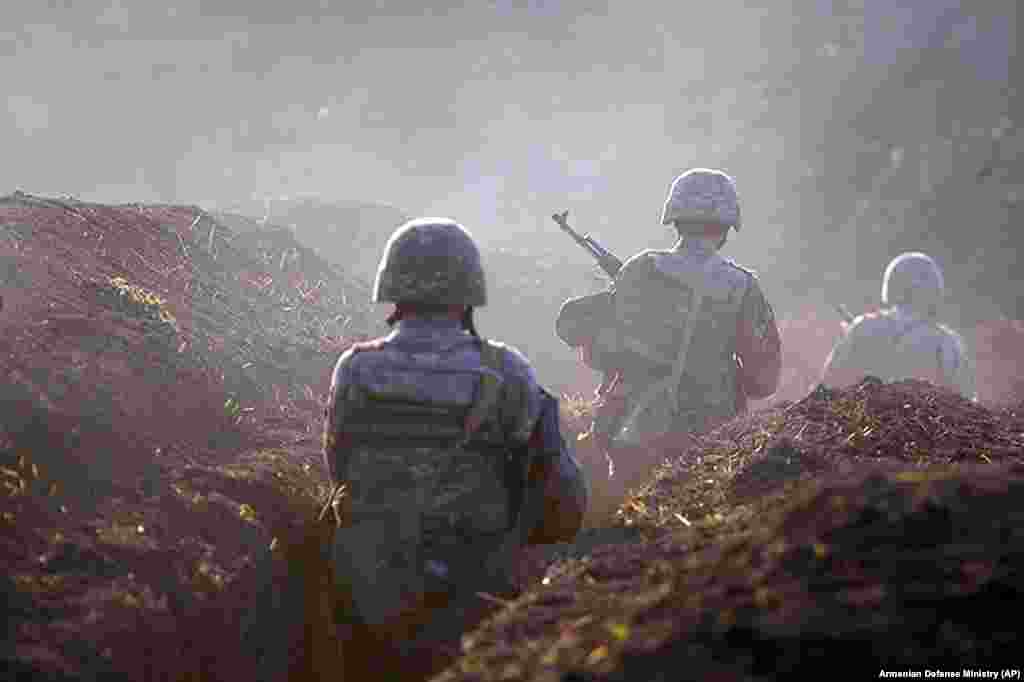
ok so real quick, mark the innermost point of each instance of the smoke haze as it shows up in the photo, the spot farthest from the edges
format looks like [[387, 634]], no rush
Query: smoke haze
[[854, 129]]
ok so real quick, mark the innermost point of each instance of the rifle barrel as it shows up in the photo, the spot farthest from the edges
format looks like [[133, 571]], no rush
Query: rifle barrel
[[606, 260]]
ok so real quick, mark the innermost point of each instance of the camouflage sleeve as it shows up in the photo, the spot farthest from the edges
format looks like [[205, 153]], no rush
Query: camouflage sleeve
[[554, 473], [758, 344], [557, 473], [527, 406], [334, 451]]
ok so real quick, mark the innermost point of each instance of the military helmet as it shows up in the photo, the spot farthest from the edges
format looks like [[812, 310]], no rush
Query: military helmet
[[433, 261], [702, 195], [913, 278]]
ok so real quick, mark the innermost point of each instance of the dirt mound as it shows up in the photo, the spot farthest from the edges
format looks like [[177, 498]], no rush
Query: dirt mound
[[866, 525], [137, 585], [889, 572], [109, 295], [873, 424], [809, 333], [164, 378]]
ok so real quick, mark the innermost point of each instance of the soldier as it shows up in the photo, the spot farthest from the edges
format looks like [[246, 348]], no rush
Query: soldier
[[687, 335], [904, 340], [449, 449]]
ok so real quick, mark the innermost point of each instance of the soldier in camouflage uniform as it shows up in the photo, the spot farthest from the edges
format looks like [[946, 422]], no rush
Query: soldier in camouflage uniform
[[449, 448], [687, 336], [904, 340]]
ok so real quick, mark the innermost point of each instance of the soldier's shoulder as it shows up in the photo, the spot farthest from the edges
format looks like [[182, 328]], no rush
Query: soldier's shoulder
[[514, 361], [644, 257], [740, 278], [359, 352], [742, 270], [367, 346]]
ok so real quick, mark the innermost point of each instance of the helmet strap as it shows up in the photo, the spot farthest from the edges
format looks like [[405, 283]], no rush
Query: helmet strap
[[467, 321]]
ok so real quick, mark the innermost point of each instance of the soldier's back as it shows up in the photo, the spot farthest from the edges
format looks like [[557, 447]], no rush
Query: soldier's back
[[893, 345], [409, 394], [655, 293]]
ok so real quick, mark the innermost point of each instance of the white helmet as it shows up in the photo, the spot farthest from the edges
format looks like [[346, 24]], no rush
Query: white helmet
[[915, 279], [702, 195]]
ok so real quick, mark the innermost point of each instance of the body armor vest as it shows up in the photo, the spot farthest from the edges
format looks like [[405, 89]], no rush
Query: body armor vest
[[654, 305], [435, 484], [408, 448]]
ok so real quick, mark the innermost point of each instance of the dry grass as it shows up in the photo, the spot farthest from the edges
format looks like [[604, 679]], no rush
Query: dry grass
[[734, 581], [140, 548]]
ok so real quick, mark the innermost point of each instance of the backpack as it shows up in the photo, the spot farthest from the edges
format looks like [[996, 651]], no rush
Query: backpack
[[444, 487]]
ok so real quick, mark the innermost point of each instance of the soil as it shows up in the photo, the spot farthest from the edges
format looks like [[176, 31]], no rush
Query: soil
[[879, 526], [151, 447], [160, 462]]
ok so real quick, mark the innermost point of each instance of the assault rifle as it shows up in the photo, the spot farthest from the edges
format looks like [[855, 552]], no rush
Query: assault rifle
[[607, 260]]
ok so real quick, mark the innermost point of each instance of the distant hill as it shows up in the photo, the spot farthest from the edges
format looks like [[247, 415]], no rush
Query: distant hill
[[526, 285], [348, 233]]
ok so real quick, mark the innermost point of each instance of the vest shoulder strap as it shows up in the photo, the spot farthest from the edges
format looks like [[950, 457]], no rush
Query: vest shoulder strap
[[491, 357]]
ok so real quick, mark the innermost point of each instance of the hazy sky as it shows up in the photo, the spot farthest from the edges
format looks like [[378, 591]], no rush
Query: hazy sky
[[420, 109], [495, 113]]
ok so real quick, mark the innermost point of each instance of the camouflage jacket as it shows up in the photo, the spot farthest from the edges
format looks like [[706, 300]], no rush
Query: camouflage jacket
[[691, 335], [897, 343]]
